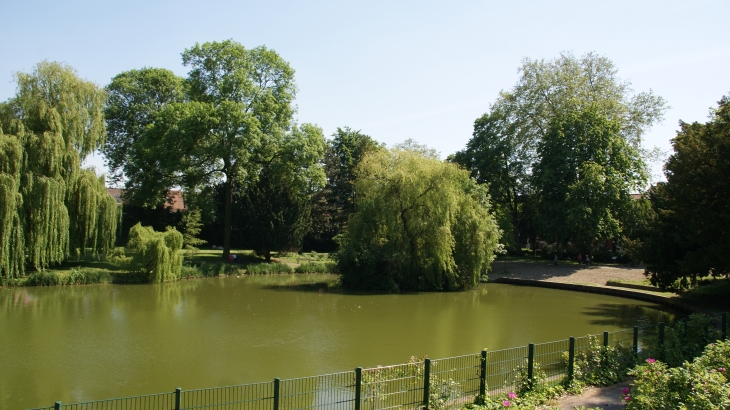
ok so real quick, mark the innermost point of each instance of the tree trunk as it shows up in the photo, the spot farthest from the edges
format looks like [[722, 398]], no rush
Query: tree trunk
[[227, 218], [515, 222]]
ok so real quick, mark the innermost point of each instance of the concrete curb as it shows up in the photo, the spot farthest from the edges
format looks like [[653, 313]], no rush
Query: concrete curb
[[672, 301]]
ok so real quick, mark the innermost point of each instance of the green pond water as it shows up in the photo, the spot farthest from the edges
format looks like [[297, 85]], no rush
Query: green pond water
[[96, 342]]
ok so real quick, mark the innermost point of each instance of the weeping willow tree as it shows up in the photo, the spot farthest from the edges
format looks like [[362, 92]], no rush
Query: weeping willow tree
[[156, 253], [419, 224], [51, 208]]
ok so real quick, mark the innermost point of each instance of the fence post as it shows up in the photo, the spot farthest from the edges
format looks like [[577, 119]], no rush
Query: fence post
[[57, 405], [571, 358], [483, 375], [605, 339], [426, 382], [724, 325], [178, 398], [636, 340], [661, 340], [277, 381], [358, 387], [530, 362]]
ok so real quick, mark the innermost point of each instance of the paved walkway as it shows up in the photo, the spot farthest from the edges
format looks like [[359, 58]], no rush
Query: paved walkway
[[581, 274]]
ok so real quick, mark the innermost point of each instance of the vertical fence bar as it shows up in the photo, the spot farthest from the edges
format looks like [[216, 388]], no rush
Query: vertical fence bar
[[571, 358], [358, 387], [605, 339], [724, 325], [57, 405], [636, 340], [178, 398], [483, 375], [277, 382], [530, 361], [426, 382]]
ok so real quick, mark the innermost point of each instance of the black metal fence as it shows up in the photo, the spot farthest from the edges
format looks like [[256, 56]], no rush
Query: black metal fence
[[420, 383]]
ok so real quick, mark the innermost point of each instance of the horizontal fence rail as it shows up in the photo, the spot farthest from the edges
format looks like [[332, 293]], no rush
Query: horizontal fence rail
[[418, 384]]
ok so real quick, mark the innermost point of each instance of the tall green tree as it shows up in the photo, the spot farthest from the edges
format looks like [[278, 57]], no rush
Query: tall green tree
[[585, 177], [135, 97], [276, 209], [51, 208], [419, 223], [236, 112], [498, 157], [503, 149], [335, 202], [691, 225]]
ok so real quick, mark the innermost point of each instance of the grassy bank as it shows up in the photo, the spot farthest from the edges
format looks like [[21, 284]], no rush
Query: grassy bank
[[199, 264]]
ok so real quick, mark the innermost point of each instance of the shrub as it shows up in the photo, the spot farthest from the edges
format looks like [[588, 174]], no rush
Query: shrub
[[156, 253], [220, 269], [268, 268], [602, 365], [699, 385], [190, 272], [43, 278], [84, 277], [118, 257], [685, 339], [315, 267]]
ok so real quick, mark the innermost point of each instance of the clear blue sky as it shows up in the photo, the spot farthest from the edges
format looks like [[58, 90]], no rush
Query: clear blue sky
[[393, 69]]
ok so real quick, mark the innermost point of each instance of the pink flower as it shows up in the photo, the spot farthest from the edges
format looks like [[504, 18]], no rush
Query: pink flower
[[721, 369], [650, 360], [506, 403], [512, 395], [625, 391], [627, 398]]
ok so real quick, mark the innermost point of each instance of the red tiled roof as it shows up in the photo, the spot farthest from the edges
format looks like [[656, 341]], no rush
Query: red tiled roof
[[174, 200]]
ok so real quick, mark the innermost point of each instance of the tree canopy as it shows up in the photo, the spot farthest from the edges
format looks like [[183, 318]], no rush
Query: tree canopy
[[584, 178], [691, 224], [419, 224], [503, 151], [52, 208], [223, 123]]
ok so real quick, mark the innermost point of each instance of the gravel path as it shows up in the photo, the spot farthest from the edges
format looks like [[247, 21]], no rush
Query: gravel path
[[565, 273]]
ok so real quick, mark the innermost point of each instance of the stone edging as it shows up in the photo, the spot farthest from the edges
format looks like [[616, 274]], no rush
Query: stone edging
[[672, 301]]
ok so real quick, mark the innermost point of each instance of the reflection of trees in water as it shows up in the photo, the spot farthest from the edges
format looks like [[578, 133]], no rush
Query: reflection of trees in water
[[629, 315]]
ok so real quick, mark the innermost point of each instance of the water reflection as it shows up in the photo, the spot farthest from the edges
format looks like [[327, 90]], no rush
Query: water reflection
[[95, 342]]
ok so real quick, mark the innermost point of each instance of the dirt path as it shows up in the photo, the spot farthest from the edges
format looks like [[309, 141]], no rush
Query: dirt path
[[607, 398], [594, 275]]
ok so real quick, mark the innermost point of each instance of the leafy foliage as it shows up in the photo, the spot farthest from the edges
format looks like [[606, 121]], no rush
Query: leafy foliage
[[692, 215], [156, 253], [685, 339], [190, 227], [268, 268], [335, 202], [504, 149], [50, 206], [419, 224], [700, 384], [602, 365], [584, 178], [316, 267]]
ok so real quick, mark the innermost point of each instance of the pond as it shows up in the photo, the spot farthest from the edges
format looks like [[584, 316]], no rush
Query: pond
[[96, 342]]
